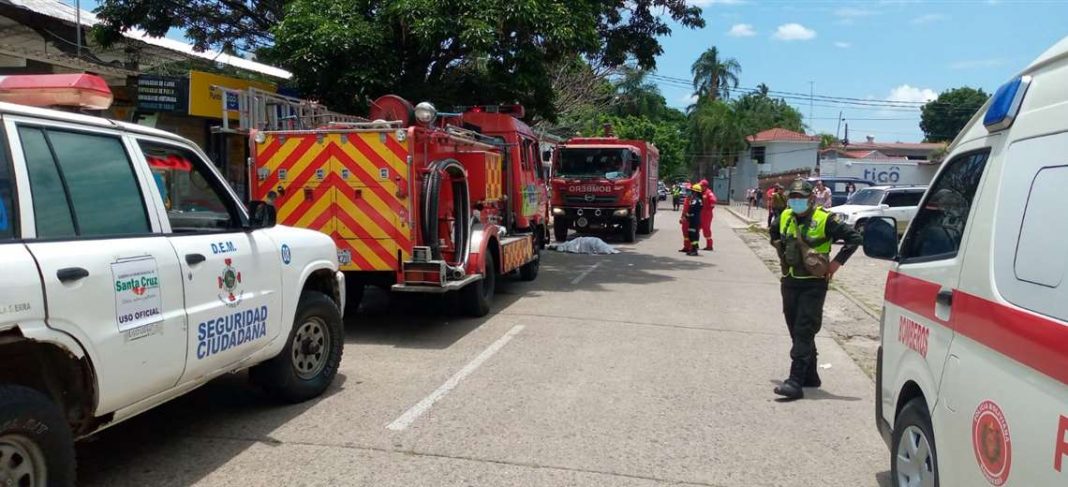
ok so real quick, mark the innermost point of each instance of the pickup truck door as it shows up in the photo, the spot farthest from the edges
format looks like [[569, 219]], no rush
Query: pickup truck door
[[21, 300], [110, 278], [232, 276]]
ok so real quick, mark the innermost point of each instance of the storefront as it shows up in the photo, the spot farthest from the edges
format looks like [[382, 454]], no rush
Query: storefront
[[192, 107]]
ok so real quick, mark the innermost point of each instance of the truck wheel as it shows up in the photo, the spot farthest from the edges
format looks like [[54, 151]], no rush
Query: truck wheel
[[476, 297], [560, 229], [645, 227], [913, 459], [36, 445], [310, 359], [630, 229], [529, 271]]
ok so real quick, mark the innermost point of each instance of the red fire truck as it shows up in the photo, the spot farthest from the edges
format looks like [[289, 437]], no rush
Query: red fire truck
[[415, 200], [604, 183]]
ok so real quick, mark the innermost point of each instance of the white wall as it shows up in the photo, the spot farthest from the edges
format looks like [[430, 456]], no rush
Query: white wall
[[789, 156]]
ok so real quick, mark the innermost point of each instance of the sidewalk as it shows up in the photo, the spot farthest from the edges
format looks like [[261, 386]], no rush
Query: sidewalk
[[754, 215]]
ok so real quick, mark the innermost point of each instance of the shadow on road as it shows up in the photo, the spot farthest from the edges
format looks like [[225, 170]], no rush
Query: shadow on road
[[423, 320], [812, 394], [139, 448]]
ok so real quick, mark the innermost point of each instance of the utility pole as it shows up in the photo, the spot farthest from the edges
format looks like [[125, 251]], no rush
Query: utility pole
[[811, 95], [838, 130], [78, 28]]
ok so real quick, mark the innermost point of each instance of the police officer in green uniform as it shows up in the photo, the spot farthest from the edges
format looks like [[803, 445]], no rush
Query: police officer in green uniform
[[802, 292]]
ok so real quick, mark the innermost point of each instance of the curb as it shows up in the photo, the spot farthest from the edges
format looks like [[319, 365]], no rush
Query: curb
[[742, 217]]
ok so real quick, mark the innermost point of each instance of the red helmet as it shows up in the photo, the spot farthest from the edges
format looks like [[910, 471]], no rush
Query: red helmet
[[704, 182]]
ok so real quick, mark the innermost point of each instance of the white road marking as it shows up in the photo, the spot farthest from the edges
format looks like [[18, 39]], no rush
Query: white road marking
[[405, 420], [585, 273]]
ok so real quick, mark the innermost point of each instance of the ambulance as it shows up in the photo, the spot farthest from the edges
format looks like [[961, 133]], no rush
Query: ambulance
[[973, 363]]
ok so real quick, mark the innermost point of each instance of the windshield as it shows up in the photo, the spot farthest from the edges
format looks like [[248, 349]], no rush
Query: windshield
[[867, 197], [596, 163]]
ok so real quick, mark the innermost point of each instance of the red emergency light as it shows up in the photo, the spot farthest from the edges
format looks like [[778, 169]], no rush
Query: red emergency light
[[57, 90], [515, 110]]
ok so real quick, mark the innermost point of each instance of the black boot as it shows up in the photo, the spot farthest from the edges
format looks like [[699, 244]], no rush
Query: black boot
[[790, 390], [812, 379]]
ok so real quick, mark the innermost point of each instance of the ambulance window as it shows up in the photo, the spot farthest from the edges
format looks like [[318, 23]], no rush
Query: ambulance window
[[1040, 256], [938, 228], [194, 198]]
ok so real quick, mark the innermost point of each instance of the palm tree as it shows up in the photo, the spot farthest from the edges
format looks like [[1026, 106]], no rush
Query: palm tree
[[714, 77]]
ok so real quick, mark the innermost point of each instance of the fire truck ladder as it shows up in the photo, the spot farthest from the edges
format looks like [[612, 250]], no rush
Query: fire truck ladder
[[263, 110]]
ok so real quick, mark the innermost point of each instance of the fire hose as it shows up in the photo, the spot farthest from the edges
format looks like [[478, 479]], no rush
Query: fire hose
[[462, 204]]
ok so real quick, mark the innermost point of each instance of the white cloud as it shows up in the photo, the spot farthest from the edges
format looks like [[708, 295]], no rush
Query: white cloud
[[843, 45], [978, 63], [906, 93], [688, 99], [927, 19], [849, 15], [794, 32], [741, 30]]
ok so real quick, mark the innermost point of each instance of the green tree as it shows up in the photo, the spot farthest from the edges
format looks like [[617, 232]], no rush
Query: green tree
[[346, 52], [827, 140], [942, 118], [714, 76], [716, 135], [757, 112]]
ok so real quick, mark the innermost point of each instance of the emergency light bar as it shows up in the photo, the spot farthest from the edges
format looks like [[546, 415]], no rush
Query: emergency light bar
[[1006, 104], [57, 90], [515, 110]]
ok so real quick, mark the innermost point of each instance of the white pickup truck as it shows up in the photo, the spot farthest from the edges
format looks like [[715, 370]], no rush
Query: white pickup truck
[[132, 274]]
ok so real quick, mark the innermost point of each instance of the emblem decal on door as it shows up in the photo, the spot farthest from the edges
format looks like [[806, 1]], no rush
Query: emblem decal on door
[[137, 294], [993, 446], [287, 254], [230, 292]]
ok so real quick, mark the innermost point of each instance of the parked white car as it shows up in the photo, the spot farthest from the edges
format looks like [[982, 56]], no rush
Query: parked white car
[[899, 203], [133, 274]]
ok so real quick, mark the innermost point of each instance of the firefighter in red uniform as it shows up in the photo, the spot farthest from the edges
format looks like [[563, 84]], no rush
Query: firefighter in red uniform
[[687, 194], [708, 204], [692, 217]]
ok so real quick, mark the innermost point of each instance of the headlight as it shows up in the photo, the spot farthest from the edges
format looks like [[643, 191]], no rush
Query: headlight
[[558, 212], [623, 212], [425, 112]]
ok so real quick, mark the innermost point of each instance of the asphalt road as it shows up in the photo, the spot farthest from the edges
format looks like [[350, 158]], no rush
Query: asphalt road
[[642, 368]]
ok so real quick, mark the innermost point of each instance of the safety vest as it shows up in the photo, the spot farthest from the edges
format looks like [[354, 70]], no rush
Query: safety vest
[[816, 232]]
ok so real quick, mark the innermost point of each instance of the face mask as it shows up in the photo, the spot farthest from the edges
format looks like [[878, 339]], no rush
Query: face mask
[[798, 205]]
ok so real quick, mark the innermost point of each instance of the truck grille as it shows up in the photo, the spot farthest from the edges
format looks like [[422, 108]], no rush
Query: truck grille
[[597, 200]]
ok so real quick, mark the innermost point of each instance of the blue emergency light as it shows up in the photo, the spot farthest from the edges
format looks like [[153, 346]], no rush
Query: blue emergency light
[[1006, 104]]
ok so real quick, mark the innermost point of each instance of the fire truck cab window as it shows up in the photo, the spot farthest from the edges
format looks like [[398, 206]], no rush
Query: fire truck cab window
[[194, 198], [596, 163]]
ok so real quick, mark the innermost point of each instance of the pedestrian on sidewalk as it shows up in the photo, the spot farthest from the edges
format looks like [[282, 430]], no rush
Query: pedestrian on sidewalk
[[691, 220], [676, 197], [708, 205], [802, 234], [823, 195], [776, 202]]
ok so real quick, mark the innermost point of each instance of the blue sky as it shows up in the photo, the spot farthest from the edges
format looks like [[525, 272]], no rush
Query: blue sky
[[881, 50]]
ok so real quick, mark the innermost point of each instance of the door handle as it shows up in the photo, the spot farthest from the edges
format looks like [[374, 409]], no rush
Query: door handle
[[194, 259], [945, 297], [68, 274]]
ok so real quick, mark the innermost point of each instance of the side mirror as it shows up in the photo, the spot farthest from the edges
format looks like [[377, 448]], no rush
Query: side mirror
[[880, 238], [261, 215], [547, 155]]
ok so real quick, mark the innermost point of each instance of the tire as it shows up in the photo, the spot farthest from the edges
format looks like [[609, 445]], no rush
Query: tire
[[36, 444], [476, 297], [560, 230], [310, 359], [529, 271], [630, 229], [912, 428], [645, 227]]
